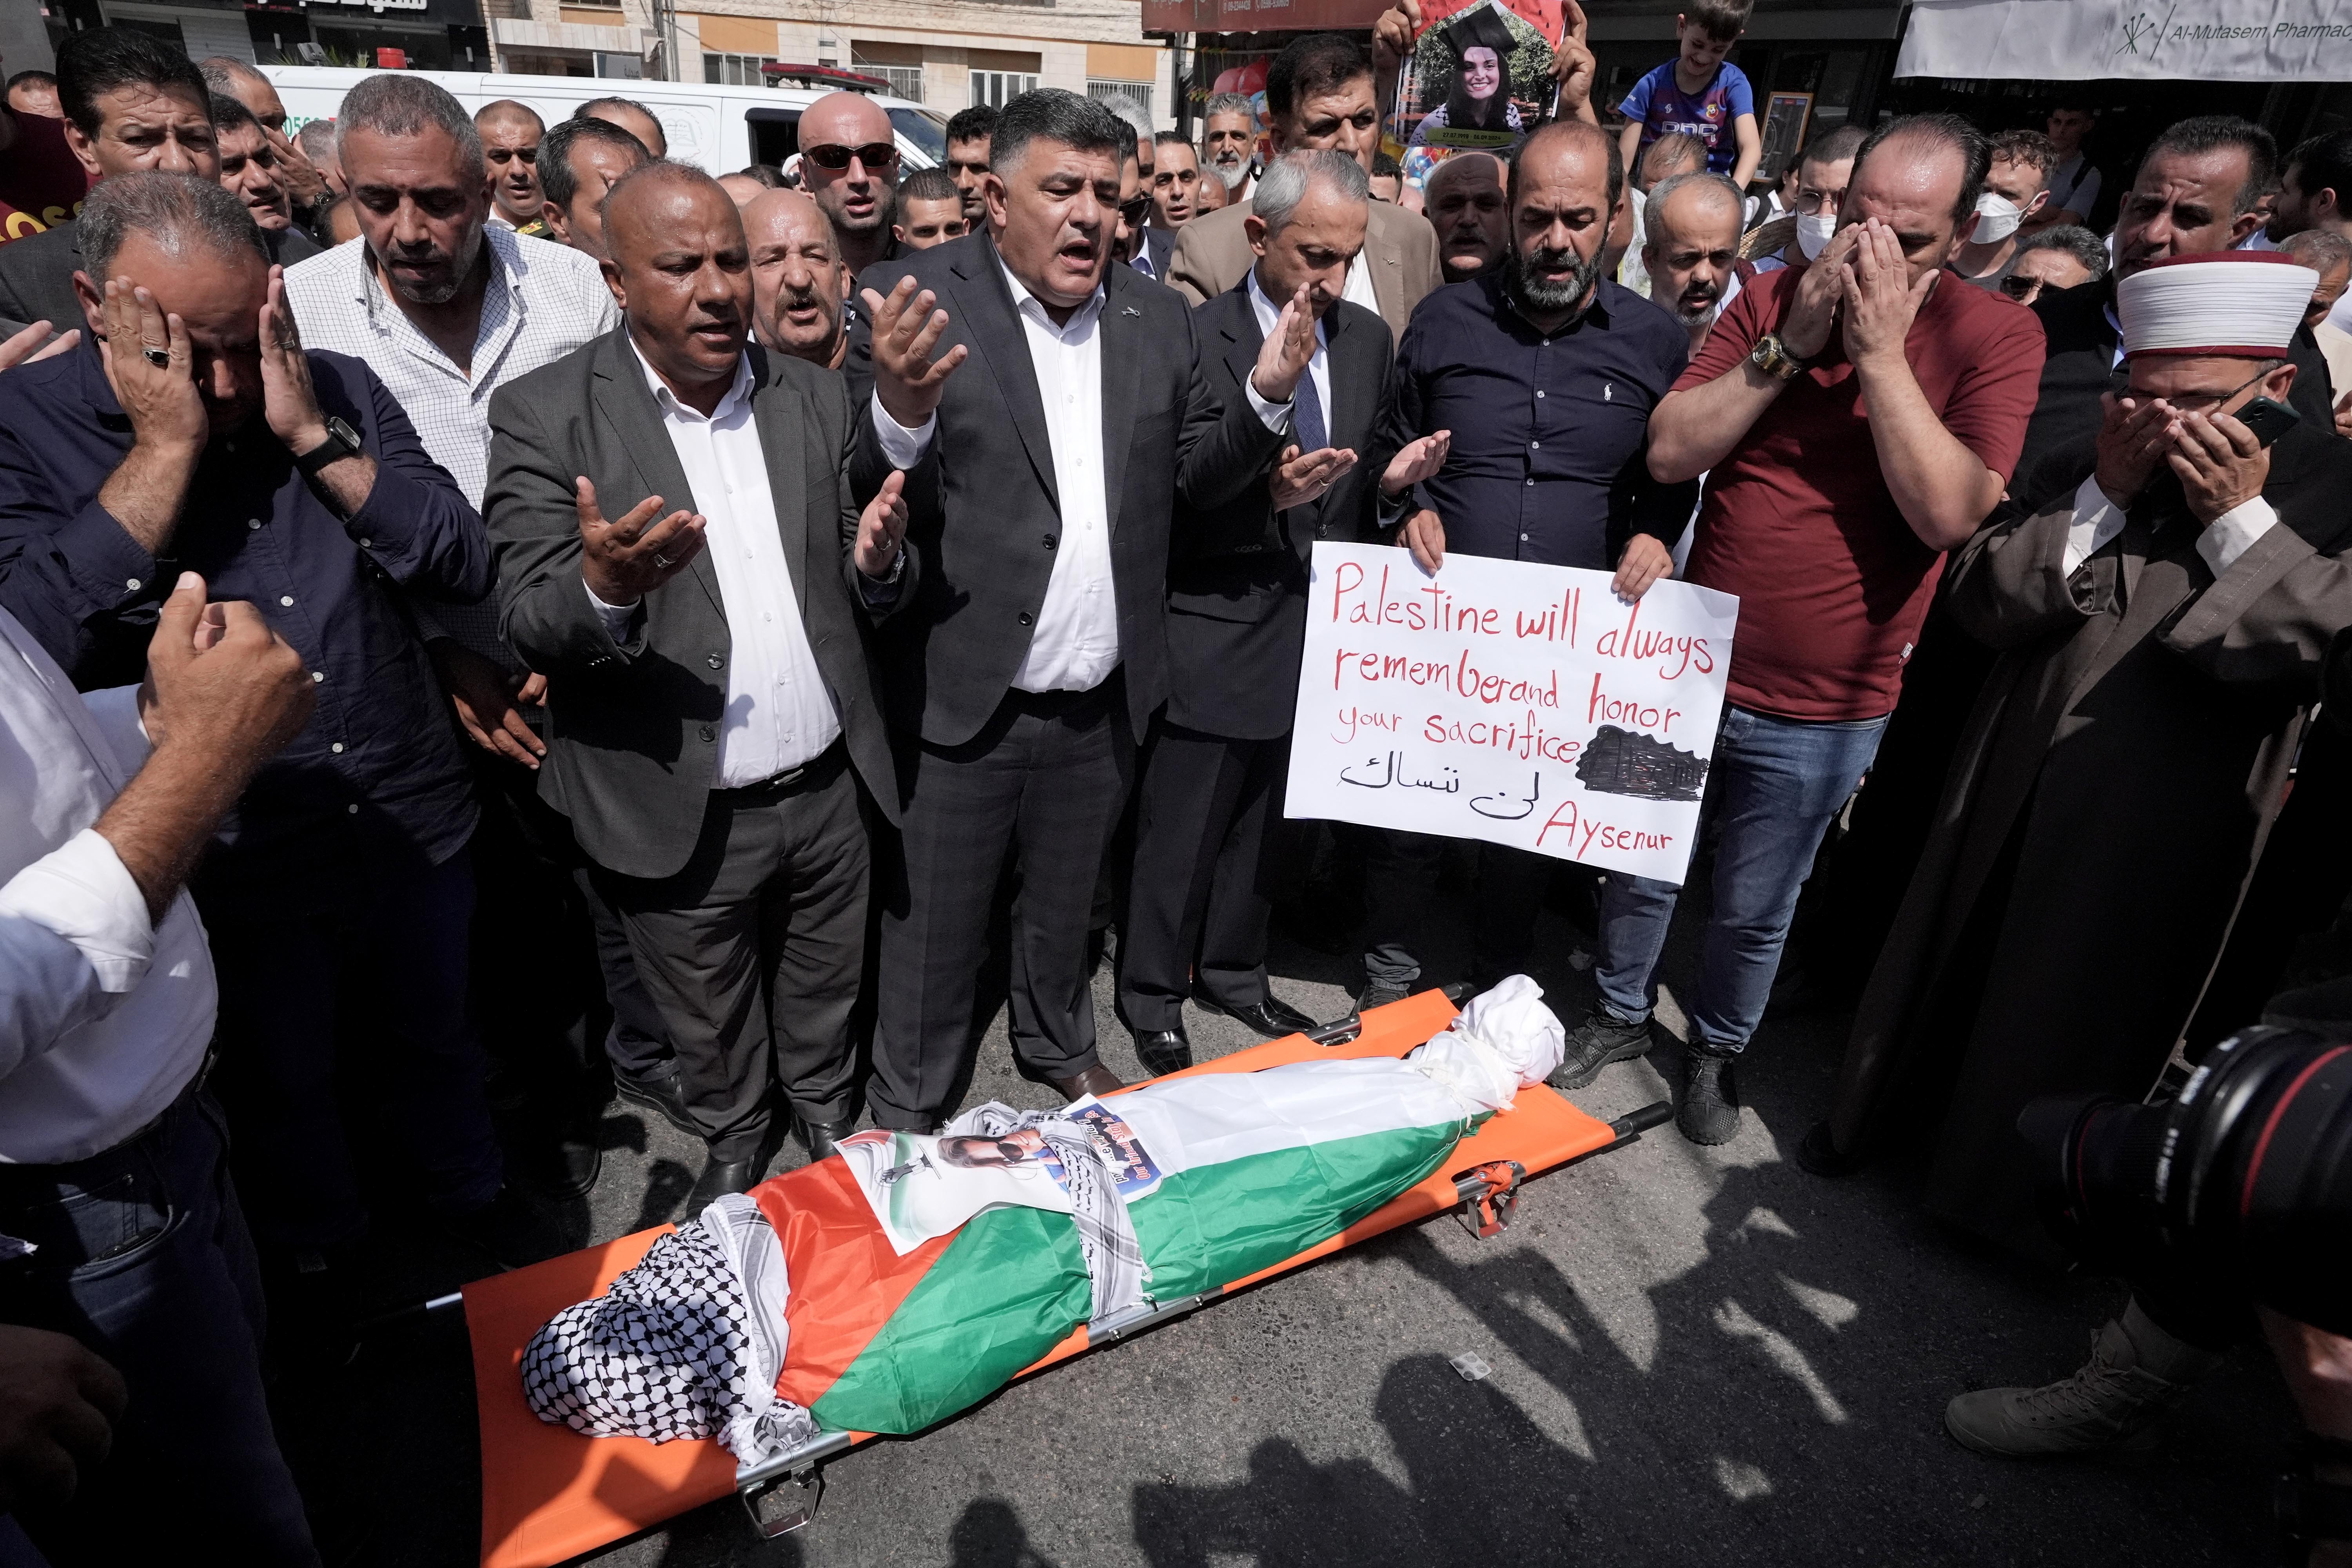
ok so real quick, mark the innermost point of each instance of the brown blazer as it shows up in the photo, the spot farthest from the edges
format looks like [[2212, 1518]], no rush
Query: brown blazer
[[1401, 248]]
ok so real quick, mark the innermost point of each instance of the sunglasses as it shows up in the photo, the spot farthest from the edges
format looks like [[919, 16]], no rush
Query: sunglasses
[[2018, 288], [874, 156], [1134, 212]]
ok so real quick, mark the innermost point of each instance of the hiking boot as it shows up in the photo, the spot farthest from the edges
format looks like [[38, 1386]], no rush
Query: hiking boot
[[1378, 993], [1710, 1113], [2137, 1372], [1603, 1038]]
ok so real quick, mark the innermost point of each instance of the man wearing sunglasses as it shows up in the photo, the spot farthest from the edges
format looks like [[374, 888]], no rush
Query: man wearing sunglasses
[[850, 163], [1144, 249]]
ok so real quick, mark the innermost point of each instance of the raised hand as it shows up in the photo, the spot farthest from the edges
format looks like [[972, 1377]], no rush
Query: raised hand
[[288, 399], [160, 400], [1416, 462], [1392, 36], [1880, 299], [1813, 305], [219, 679], [1282, 358], [301, 178], [1300, 478], [2134, 438], [907, 330], [27, 345], [881, 527], [623, 561], [2221, 464]]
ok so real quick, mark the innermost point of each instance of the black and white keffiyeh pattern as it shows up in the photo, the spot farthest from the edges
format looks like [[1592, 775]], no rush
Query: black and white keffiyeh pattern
[[1107, 1240], [688, 1343]]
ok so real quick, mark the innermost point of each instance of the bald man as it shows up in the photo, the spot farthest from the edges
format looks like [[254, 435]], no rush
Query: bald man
[[632, 117], [850, 163], [797, 279], [511, 134], [714, 737], [742, 190], [1464, 201], [1691, 248]]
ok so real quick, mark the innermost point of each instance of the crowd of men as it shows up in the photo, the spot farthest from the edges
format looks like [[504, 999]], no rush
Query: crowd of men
[[555, 623]]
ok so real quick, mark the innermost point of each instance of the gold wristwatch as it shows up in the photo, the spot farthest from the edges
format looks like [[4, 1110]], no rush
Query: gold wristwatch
[[1772, 356]]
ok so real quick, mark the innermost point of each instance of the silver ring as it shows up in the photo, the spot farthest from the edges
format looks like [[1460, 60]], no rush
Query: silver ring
[[660, 560], [160, 358]]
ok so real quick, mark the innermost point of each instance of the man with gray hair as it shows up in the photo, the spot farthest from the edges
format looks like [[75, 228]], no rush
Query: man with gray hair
[[446, 307], [1690, 247], [1229, 141], [194, 428], [306, 185], [1237, 579], [2329, 254]]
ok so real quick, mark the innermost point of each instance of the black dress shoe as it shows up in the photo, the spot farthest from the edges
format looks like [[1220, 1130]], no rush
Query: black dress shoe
[[1273, 1017], [1163, 1051], [661, 1094], [1095, 1080], [1819, 1153], [507, 1229], [721, 1177], [567, 1168], [819, 1137]]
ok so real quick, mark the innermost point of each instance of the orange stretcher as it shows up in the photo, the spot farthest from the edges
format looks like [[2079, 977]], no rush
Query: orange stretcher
[[550, 1494]]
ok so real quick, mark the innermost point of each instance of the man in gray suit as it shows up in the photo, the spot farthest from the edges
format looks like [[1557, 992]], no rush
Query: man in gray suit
[[710, 700], [1319, 94]]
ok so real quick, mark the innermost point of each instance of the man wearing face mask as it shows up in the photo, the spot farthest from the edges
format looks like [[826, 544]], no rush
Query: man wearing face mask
[[2015, 188], [1065, 408], [1824, 170], [1830, 524]]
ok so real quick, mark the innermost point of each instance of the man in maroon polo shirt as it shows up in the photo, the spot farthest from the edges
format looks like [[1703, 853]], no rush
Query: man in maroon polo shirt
[[1855, 418]]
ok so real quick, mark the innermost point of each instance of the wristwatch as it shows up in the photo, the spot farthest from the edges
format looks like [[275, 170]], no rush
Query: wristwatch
[[341, 442], [1772, 356]]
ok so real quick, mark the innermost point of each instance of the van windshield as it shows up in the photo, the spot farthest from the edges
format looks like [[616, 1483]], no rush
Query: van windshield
[[925, 129]]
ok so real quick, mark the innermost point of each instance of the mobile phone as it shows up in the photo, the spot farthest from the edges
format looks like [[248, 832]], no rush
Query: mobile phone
[[2268, 419]]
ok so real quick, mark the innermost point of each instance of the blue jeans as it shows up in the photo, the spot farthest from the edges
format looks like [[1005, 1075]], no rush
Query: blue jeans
[[1771, 789], [143, 1256]]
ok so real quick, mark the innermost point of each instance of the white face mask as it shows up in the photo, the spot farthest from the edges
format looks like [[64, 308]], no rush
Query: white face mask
[[1813, 234], [1997, 219]]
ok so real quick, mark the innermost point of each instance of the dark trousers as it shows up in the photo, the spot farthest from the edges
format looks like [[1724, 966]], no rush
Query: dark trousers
[[1198, 907], [555, 991], [143, 1256], [1401, 883], [346, 941], [1042, 785], [752, 953]]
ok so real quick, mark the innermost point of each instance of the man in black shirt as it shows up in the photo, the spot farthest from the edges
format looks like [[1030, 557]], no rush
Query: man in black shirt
[[1545, 375]]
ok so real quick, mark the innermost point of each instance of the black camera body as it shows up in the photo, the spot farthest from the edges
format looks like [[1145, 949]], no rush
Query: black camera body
[[2243, 1179]]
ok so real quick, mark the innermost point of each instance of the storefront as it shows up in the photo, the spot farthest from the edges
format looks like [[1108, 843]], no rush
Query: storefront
[[428, 35]]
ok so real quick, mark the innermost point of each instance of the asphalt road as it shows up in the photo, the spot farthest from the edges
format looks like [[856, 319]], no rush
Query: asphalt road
[[1698, 1356]]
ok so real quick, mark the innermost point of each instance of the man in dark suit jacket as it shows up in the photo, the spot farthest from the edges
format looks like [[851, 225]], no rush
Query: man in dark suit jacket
[[1052, 412], [710, 698], [1237, 584], [1153, 247]]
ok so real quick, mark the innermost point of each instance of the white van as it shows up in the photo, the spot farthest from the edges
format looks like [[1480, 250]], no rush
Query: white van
[[720, 128]]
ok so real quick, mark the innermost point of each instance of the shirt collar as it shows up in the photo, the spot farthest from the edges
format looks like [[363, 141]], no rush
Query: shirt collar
[[1023, 300], [1596, 312], [739, 391], [506, 272], [1269, 314]]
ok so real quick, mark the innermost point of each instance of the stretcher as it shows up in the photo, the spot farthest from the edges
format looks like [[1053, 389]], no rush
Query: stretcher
[[550, 1494]]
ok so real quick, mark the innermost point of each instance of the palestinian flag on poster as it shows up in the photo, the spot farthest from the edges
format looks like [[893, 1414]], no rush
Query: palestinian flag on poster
[[1244, 1172]]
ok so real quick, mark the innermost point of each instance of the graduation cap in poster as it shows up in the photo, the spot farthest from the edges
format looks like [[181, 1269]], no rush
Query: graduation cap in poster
[[1478, 77]]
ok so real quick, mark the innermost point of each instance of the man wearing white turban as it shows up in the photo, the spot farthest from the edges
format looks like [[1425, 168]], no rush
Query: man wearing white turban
[[2160, 631]]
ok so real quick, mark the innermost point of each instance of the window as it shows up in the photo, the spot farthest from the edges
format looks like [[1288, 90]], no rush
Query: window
[[1138, 93], [735, 70], [997, 89], [905, 81]]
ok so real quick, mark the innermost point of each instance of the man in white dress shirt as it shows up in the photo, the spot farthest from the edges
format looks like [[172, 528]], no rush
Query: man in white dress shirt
[[711, 705], [1052, 411], [446, 305], [117, 1223]]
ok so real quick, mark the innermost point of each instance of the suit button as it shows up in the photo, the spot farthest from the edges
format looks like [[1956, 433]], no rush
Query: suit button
[[1049, 542], [1023, 617], [714, 661], [706, 733]]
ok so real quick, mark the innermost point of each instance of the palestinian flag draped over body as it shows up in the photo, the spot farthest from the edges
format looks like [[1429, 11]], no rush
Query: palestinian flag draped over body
[[926, 1271]]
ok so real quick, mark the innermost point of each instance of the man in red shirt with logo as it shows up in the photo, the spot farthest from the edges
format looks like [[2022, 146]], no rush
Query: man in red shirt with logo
[[1855, 418]]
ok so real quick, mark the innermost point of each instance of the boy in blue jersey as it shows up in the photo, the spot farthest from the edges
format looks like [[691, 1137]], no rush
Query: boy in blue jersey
[[1698, 94]]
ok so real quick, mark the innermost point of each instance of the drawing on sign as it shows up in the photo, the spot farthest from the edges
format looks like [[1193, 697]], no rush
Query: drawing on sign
[[1626, 762]]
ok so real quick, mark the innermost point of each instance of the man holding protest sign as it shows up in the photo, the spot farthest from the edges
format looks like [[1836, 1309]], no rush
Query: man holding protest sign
[[1538, 380], [1832, 529]]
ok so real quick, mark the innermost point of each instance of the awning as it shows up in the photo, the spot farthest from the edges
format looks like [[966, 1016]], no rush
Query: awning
[[2074, 40]]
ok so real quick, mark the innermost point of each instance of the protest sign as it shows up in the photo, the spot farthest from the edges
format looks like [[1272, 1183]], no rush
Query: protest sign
[[1521, 704]]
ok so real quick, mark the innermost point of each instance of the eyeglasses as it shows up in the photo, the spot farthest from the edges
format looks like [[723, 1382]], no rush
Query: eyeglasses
[[1134, 210], [874, 156], [2198, 402], [2021, 288]]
